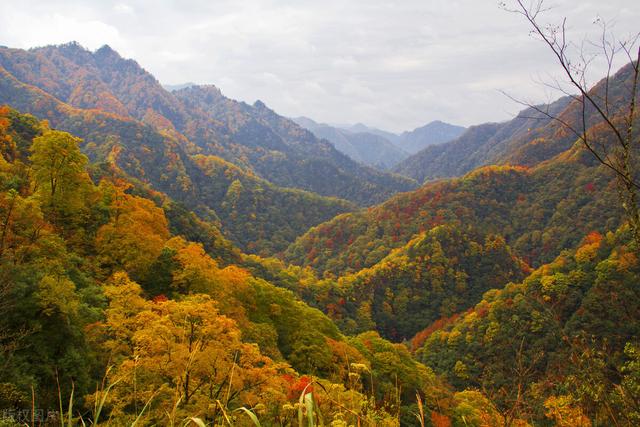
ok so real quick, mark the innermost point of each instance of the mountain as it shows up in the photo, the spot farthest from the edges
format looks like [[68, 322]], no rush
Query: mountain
[[433, 133], [364, 147], [167, 161], [362, 128], [206, 122], [571, 319], [124, 263], [538, 211], [380, 148], [550, 193], [548, 204], [437, 274], [530, 138], [485, 144]]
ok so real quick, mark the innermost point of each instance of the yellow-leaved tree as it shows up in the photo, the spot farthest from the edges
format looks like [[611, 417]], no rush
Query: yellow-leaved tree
[[197, 272], [135, 234], [59, 173], [182, 356]]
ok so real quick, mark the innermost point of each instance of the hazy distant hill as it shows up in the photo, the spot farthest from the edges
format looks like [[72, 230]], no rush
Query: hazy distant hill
[[359, 127], [435, 132], [366, 147]]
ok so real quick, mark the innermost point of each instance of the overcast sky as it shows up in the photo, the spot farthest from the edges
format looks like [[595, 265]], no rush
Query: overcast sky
[[391, 64]]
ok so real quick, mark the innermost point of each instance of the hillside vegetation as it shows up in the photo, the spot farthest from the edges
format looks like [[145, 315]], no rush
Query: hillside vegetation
[[180, 258]]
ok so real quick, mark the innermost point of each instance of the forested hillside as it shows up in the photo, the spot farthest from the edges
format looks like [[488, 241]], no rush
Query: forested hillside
[[549, 195], [96, 288], [530, 138], [181, 258], [219, 191], [488, 144], [515, 344], [438, 274], [515, 202]]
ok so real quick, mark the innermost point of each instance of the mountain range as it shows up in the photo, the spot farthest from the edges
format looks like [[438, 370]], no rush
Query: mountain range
[[486, 144], [204, 260], [179, 141], [505, 167], [432, 133], [379, 148], [284, 153]]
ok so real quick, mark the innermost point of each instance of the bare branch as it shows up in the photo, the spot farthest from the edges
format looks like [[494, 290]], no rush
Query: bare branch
[[581, 136], [618, 154]]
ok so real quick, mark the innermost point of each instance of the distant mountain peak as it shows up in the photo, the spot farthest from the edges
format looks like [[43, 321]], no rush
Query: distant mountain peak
[[106, 50], [435, 124], [359, 127], [434, 132], [363, 146], [259, 104]]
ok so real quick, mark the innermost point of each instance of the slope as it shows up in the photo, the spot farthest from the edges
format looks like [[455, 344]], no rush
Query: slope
[[161, 160], [437, 274], [104, 287], [530, 138], [557, 193], [539, 211], [567, 333], [479, 145]]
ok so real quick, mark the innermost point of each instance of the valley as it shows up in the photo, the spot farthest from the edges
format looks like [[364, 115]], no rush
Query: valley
[[170, 255]]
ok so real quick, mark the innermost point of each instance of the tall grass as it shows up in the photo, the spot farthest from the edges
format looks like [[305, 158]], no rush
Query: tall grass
[[309, 413]]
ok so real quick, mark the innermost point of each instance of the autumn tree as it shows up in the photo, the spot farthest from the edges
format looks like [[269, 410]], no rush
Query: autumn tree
[[59, 169], [182, 354], [7, 145], [614, 141], [135, 234]]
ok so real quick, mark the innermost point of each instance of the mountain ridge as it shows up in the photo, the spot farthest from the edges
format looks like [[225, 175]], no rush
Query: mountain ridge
[[162, 159], [503, 198], [433, 133], [380, 148], [105, 81]]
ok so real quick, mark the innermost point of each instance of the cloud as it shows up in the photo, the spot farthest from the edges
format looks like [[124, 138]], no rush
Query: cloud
[[391, 64]]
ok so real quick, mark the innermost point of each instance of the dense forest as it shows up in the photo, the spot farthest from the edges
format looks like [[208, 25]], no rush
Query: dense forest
[[96, 287], [181, 258]]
